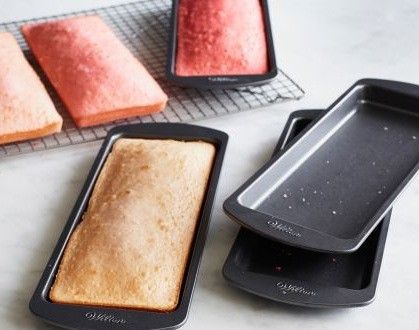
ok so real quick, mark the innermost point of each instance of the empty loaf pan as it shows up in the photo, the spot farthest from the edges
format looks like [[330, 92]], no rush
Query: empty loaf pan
[[302, 277], [224, 80], [331, 188], [74, 316]]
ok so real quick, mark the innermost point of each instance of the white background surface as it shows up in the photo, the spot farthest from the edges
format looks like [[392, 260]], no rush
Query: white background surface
[[325, 45]]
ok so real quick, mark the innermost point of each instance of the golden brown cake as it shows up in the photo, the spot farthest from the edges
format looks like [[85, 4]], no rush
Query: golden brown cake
[[96, 76], [132, 245], [26, 110]]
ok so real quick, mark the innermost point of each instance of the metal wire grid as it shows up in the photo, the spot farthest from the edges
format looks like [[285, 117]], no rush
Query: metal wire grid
[[142, 26]]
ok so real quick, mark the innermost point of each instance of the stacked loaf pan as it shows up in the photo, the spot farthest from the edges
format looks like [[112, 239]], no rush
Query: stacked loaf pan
[[315, 216]]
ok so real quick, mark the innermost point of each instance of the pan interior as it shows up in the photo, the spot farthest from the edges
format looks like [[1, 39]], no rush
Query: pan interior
[[263, 256], [340, 173]]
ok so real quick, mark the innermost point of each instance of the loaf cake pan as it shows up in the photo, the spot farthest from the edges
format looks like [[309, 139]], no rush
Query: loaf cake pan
[[302, 277], [225, 81], [94, 317], [328, 190]]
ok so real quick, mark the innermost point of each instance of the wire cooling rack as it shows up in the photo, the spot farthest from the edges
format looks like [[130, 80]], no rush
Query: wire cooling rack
[[142, 26]]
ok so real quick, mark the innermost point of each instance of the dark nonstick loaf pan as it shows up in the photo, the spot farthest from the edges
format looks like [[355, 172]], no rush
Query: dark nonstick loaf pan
[[302, 277], [225, 81], [93, 317], [331, 188]]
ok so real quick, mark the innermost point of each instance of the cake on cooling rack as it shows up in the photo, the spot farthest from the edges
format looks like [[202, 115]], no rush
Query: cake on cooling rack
[[221, 37], [132, 246], [96, 76], [26, 110]]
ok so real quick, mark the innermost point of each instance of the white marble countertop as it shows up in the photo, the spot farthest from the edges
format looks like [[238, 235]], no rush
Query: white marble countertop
[[325, 45]]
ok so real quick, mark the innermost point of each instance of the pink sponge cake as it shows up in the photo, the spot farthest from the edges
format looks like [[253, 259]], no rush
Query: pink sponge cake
[[221, 37], [96, 76], [26, 110]]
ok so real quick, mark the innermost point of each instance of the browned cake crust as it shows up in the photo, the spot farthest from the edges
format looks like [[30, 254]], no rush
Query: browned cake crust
[[132, 246]]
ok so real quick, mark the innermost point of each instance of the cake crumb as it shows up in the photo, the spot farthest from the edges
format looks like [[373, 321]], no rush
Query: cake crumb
[[285, 195], [385, 128], [334, 212]]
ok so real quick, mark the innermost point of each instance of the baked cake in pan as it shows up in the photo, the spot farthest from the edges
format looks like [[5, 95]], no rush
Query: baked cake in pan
[[221, 37], [132, 246]]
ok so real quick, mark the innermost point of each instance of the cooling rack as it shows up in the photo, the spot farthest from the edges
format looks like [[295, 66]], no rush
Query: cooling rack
[[142, 26]]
